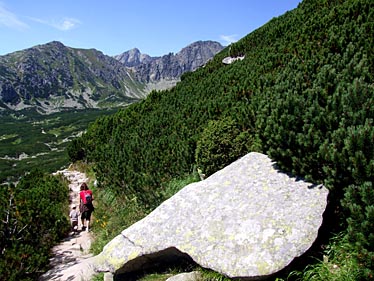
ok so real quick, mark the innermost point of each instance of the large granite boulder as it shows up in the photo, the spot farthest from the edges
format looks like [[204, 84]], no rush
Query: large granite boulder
[[247, 220]]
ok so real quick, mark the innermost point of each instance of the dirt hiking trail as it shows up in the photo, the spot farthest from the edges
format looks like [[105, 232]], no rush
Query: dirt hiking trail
[[74, 248]]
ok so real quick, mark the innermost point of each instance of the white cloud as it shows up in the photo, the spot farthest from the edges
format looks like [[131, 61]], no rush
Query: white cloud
[[64, 25], [229, 38], [10, 19], [67, 24]]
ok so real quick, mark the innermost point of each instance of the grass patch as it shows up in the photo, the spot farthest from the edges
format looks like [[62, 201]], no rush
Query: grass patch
[[112, 215], [208, 275], [204, 275], [174, 185], [98, 277], [156, 277], [339, 264]]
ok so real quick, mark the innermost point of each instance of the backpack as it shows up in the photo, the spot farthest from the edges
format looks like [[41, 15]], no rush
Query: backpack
[[87, 198]]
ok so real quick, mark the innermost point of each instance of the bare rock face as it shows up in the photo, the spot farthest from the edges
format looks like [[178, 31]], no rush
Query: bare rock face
[[248, 220], [133, 57], [171, 66]]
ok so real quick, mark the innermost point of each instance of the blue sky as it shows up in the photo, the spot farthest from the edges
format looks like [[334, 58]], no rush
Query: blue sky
[[114, 26]]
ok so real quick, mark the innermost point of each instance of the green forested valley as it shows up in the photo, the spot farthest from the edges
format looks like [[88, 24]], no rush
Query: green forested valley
[[30, 140], [303, 94]]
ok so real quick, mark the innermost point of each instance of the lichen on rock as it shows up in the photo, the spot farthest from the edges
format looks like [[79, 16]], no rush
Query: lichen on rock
[[246, 220]]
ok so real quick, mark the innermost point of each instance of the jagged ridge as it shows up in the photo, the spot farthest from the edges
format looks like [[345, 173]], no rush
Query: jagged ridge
[[170, 66], [52, 77]]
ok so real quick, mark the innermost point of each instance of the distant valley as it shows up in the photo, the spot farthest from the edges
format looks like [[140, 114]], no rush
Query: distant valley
[[50, 93], [53, 77]]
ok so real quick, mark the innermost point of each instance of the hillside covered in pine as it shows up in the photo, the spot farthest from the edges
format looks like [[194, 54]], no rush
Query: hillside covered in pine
[[303, 95]]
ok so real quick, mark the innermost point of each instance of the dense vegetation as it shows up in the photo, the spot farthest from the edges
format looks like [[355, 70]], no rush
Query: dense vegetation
[[31, 223], [34, 212], [303, 95], [29, 140]]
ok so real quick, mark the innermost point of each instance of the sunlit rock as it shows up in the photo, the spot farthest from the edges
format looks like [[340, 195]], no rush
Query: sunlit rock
[[247, 220]]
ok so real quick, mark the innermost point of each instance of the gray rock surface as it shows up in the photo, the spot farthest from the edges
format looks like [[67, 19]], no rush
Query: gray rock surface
[[247, 220], [171, 66], [230, 60], [133, 57]]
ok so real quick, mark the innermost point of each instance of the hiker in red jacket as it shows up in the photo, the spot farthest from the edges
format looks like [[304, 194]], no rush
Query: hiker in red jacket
[[86, 206]]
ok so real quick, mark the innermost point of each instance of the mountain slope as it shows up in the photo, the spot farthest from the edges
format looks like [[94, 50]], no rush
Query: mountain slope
[[303, 95], [52, 77]]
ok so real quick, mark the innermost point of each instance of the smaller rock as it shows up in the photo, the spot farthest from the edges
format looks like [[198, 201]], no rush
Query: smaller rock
[[230, 60], [108, 276]]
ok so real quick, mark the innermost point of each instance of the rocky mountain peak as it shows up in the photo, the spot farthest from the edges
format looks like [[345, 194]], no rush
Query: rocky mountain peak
[[198, 53], [55, 44], [171, 66], [132, 57]]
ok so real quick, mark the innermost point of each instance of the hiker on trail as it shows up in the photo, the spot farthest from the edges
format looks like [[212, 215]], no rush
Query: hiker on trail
[[86, 206], [74, 215]]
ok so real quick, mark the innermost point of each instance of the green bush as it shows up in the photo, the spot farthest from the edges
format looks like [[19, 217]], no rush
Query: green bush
[[359, 200], [32, 222], [75, 150], [220, 144]]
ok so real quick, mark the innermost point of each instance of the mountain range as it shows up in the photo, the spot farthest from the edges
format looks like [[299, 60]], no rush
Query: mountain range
[[168, 67], [54, 77]]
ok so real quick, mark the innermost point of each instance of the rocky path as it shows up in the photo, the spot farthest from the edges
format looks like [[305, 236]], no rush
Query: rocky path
[[75, 248]]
